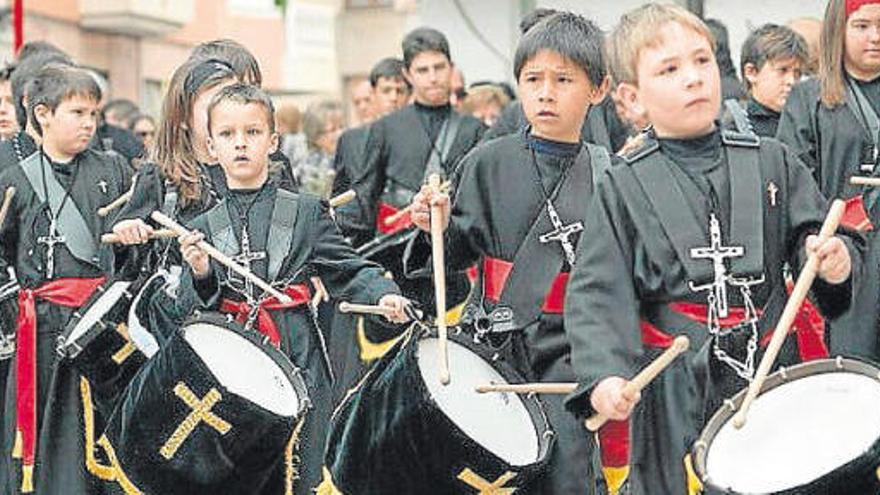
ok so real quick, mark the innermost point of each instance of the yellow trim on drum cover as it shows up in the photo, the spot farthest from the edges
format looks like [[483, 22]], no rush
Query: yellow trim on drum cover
[[694, 485], [327, 487], [371, 351], [92, 466], [290, 460], [486, 487], [119, 475], [128, 349], [615, 477]]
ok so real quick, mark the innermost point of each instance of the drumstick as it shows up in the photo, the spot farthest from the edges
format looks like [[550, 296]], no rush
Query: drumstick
[[116, 203], [792, 306], [641, 380], [865, 181], [7, 203], [224, 260], [321, 294], [439, 279], [528, 388], [397, 215], [365, 309], [157, 234], [341, 199]]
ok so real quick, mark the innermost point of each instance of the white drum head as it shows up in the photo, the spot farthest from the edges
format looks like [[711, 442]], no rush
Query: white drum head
[[97, 310], [797, 433], [243, 368], [500, 423]]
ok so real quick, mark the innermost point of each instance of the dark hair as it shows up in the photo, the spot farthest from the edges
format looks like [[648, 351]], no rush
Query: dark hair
[[388, 68], [233, 53], [423, 39], [206, 73], [123, 108], [529, 20], [244, 94], [54, 84], [32, 48], [6, 72], [570, 35], [772, 42], [722, 47], [25, 71]]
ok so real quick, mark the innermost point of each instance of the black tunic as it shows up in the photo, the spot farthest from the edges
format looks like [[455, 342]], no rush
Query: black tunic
[[764, 120], [94, 179], [630, 272], [317, 249]]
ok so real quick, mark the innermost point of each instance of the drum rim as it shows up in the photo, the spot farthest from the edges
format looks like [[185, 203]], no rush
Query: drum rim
[[294, 373], [73, 349], [782, 375], [534, 406]]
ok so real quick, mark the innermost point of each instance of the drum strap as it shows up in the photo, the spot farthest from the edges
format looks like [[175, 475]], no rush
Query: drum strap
[[66, 292]]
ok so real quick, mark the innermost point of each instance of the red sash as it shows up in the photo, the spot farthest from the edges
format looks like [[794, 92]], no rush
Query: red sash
[[496, 271], [855, 216], [299, 294], [385, 211], [66, 292]]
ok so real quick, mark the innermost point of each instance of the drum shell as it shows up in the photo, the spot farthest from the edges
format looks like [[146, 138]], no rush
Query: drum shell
[[860, 475], [391, 437], [240, 461]]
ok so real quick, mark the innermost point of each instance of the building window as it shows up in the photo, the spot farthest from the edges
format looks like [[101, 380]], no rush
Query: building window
[[368, 4]]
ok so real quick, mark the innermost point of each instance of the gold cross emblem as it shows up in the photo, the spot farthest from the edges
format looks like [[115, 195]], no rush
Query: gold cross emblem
[[122, 354], [201, 411], [496, 487]]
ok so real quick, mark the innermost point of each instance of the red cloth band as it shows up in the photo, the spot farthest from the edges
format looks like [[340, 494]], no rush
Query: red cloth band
[[299, 295], [496, 271], [854, 5], [855, 216], [385, 211]]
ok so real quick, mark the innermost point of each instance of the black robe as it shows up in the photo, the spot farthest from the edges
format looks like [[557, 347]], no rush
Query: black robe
[[348, 163], [497, 201], [317, 249], [16, 149], [630, 272], [60, 455], [764, 120], [603, 126]]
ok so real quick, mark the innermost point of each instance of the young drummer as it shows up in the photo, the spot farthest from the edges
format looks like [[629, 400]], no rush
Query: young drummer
[[771, 61], [284, 238], [50, 237], [690, 193], [518, 214]]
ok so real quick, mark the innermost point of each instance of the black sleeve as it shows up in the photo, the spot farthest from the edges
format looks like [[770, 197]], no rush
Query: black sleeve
[[371, 182], [797, 126]]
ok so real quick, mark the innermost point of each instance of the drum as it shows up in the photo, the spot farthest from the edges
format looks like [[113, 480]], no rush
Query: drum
[[8, 318], [815, 429], [402, 431], [96, 341], [215, 410], [155, 313]]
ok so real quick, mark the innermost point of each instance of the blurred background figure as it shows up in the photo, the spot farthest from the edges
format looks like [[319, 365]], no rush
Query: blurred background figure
[[457, 89], [288, 123], [485, 102], [810, 28], [8, 124], [120, 112], [144, 128], [731, 87], [362, 103], [322, 124]]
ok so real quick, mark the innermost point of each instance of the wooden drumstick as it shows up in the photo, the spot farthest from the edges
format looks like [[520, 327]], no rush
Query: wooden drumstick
[[528, 388], [7, 203], [644, 377], [116, 203], [390, 219], [341, 199], [792, 306], [157, 234], [224, 260], [439, 280], [365, 309], [864, 181]]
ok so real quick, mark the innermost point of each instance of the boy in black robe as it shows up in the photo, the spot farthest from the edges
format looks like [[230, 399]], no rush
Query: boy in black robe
[[518, 215], [50, 237], [690, 193], [283, 238]]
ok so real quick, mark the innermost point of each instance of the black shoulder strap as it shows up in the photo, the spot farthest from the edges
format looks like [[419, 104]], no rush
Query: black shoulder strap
[[440, 150], [284, 214], [600, 161], [746, 202], [222, 233], [740, 116]]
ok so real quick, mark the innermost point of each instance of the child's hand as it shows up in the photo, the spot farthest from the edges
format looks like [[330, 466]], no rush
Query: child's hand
[[421, 207], [835, 264], [609, 400], [195, 256], [134, 231], [397, 304]]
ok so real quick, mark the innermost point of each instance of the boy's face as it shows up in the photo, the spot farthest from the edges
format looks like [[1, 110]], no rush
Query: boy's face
[[679, 85], [430, 75], [862, 43], [69, 129], [390, 94], [199, 124], [556, 94], [8, 124], [773, 82], [241, 142]]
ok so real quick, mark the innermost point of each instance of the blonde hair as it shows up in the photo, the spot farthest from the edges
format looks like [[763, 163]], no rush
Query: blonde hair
[[481, 96], [832, 47], [637, 31]]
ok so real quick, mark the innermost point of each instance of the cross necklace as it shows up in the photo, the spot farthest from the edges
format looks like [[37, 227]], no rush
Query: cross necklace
[[561, 232], [245, 256], [53, 237]]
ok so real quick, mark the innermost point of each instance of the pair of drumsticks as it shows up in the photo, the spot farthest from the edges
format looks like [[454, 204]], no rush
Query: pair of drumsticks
[[680, 344]]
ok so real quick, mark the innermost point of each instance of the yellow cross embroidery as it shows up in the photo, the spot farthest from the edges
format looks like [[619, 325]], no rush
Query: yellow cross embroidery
[[485, 487], [201, 411], [122, 354]]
